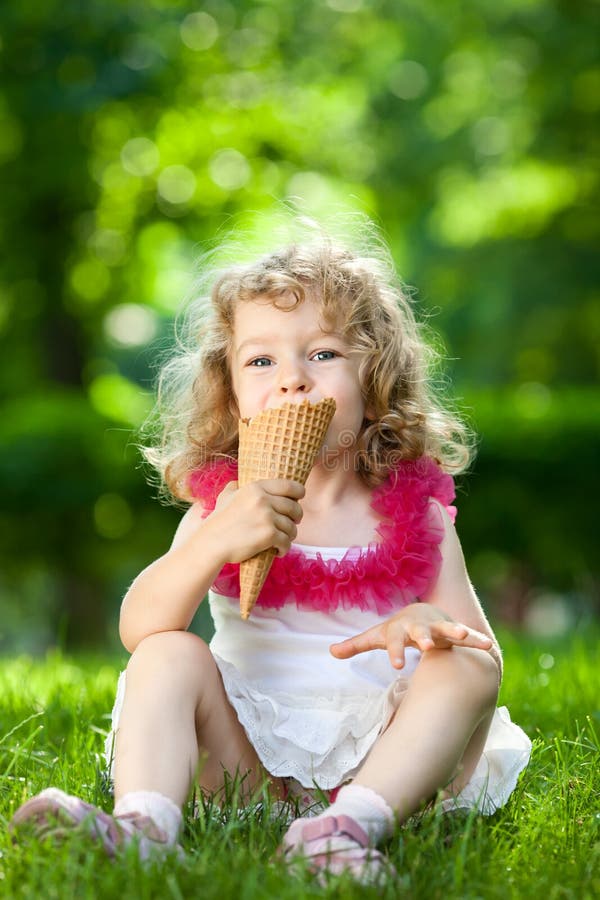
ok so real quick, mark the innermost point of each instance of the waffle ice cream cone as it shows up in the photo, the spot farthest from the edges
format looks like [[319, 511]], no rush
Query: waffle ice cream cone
[[277, 443]]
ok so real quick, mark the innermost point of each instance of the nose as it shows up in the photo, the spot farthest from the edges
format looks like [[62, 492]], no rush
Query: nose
[[293, 379]]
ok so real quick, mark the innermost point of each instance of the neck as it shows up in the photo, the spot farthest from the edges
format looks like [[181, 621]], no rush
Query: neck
[[328, 486]]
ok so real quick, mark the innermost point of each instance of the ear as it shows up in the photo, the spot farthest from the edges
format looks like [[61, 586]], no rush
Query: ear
[[369, 414]]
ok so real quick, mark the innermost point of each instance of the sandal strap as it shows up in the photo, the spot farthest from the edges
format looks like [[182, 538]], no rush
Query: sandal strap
[[334, 826], [133, 822]]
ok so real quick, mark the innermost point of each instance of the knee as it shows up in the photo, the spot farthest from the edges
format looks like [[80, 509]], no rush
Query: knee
[[480, 672], [169, 654]]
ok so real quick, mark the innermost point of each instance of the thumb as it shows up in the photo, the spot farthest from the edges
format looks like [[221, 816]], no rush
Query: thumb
[[226, 494]]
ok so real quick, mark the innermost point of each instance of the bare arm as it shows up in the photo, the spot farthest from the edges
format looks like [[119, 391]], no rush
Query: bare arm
[[453, 592], [452, 615], [166, 594]]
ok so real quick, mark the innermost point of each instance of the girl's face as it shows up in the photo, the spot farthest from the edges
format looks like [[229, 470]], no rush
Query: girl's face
[[286, 355]]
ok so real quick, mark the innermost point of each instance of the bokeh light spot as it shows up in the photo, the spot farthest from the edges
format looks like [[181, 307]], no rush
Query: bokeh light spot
[[247, 47], [141, 53], [130, 325], [490, 136], [108, 245], [508, 78], [229, 169], [408, 79], [113, 127], [199, 31], [154, 237], [117, 398], [533, 400], [90, 279], [140, 156], [548, 615], [176, 184]]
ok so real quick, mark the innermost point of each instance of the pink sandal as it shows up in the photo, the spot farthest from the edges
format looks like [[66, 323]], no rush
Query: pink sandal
[[53, 813], [334, 845]]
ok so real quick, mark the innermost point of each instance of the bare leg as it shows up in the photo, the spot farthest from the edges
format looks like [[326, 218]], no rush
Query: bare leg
[[176, 720], [438, 733]]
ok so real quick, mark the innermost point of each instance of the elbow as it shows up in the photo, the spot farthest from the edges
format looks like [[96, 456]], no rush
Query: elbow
[[129, 634], [129, 639], [133, 628]]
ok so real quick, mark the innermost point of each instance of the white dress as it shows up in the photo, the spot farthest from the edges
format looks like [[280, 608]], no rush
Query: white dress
[[314, 718]]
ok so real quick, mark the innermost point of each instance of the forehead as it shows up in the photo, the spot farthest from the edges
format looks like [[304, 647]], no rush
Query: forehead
[[262, 311], [254, 316]]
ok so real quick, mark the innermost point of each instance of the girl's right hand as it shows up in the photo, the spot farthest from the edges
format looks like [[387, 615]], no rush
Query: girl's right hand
[[258, 516]]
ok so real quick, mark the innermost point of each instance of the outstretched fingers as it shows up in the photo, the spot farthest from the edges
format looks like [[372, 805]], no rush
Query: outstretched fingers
[[395, 635], [442, 634]]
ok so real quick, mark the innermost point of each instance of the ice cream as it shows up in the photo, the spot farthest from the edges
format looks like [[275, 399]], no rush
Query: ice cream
[[277, 443]]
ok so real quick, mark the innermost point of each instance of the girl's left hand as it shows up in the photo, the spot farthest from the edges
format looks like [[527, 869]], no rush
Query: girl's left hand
[[419, 625]]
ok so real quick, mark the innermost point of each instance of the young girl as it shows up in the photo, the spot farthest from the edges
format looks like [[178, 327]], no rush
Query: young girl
[[367, 671]]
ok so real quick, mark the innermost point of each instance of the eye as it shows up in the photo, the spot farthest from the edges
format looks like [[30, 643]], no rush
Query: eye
[[323, 355], [260, 361]]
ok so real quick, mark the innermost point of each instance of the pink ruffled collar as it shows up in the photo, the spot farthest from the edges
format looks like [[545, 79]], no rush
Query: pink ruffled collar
[[388, 574]]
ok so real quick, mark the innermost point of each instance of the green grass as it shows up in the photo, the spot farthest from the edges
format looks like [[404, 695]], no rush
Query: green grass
[[544, 844]]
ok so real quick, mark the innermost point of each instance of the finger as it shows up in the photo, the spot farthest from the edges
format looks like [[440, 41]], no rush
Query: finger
[[371, 639], [284, 487], [397, 639], [453, 630], [285, 533], [476, 639], [460, 635], [421, 636], [286, 507]]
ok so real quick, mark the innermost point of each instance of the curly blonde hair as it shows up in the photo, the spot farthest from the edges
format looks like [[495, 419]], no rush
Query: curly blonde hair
[[357, 291]]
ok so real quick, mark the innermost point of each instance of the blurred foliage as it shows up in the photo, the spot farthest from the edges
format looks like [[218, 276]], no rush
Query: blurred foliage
[[132, 132]]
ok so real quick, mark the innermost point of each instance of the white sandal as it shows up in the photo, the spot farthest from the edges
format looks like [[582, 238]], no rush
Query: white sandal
[[53, 814], [334, 845]]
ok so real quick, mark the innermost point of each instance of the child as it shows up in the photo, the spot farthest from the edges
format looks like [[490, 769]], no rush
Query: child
[[367, 669]]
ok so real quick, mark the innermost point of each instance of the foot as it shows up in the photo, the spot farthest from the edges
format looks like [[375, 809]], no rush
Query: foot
[[334, 845], [53, 813]]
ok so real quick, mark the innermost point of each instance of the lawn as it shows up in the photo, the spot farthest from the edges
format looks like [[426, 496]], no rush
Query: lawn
[[544, 844]]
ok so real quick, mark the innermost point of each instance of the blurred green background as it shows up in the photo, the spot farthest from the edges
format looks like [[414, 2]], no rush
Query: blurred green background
[[132, 132]]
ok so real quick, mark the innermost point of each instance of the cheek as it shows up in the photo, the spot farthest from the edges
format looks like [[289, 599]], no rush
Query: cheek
[[243, 405], [250, 399]]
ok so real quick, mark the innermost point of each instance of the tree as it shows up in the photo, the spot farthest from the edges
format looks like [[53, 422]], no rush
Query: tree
[[131, 135]]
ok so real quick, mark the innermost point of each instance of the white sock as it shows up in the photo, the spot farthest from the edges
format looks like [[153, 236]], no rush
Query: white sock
[[159, 808], [366, 807]]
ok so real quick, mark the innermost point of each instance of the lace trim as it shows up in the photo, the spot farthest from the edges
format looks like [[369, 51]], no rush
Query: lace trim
[[391, 572]]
